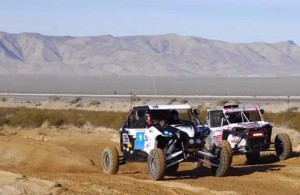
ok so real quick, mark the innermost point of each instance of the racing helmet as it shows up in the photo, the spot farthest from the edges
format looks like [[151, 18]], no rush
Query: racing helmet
[[174, 115]]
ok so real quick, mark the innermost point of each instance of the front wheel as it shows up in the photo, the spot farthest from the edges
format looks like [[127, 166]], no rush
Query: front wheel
[[156, 164], [221, 163], [229, 149], [283, 146], [110, 160]]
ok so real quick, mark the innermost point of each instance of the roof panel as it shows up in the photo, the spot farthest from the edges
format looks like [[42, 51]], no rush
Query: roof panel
[[169, 107]]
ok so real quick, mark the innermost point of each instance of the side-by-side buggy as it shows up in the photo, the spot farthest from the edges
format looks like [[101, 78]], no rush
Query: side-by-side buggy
[[163, 136], [246, 131]]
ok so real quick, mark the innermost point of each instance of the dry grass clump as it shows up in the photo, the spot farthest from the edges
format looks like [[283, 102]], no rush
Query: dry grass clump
[[135, 98], [172, 100], [33, 118], [94, 103], [221, 102], [53, 98], [286, 119], [183, 101], [76, 100], [203, 112], [3, 99]]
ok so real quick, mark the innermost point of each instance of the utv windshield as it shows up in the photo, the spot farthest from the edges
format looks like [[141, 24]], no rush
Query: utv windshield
[[172, 116], [243, 116]]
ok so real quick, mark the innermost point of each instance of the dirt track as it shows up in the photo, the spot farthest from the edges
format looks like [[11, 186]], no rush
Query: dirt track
[[67, 161]]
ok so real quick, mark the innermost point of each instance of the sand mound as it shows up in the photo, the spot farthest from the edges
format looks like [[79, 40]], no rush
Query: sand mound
[[11, 183], [34, 153]]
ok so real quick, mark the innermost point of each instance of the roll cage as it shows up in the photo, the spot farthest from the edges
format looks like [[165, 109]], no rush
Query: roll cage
[[146, 116], [227, 116]]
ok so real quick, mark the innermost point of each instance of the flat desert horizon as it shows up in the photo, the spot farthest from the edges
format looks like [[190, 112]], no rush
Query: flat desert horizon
[[150, 85]]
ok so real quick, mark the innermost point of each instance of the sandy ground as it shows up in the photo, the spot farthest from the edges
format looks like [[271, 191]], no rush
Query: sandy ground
[[67, 161]]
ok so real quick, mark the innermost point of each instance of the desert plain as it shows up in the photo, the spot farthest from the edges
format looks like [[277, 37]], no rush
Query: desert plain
[[66, 160]]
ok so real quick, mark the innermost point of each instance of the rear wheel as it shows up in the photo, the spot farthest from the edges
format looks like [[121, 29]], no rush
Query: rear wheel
[[252, 158], [283, 146], [156, 164], [220, 164], [110, 160]]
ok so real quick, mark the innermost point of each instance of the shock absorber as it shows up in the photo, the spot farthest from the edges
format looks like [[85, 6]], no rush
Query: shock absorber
[[171, 148]]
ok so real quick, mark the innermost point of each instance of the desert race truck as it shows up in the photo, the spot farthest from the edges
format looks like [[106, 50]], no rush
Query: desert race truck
[[246, 131], [163, 136]]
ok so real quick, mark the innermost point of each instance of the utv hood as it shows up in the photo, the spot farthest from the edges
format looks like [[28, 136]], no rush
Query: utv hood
[[250, 125], [188, 129]]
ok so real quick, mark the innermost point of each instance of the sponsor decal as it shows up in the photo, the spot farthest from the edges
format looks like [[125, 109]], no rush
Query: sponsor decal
[[125, 138], [229, 110], [139, 142]]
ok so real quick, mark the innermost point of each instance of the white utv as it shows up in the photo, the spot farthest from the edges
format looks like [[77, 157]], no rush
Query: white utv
[[246, 131], [163, 136]]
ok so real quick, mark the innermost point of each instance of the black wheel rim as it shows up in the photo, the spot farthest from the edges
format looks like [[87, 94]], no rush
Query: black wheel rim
[[217, 159], [278, 147]]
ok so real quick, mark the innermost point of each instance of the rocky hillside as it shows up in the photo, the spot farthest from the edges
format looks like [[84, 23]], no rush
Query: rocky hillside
[[161, 55]]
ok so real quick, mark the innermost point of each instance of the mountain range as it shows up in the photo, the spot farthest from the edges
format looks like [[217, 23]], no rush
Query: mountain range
[[159, 55]]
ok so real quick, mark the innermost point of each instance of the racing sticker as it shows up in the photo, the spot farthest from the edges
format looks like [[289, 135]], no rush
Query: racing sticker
[[125, 138], [139, 141]]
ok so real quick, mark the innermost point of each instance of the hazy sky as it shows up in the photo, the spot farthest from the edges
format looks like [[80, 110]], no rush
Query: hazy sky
[[227, 20]]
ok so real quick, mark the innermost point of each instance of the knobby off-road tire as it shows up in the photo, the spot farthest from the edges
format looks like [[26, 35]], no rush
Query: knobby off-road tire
[[252, 158], [172, 170], [110, 160], [229, 149], [223, 159], [156, 164], [283, 146]]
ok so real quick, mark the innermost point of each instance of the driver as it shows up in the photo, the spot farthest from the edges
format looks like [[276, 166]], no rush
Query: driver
[[173, 117]]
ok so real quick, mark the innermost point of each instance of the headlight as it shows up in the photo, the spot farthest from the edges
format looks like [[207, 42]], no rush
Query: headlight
[[198, 141], [168, 133], [191, 141]]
